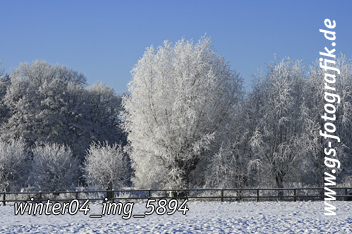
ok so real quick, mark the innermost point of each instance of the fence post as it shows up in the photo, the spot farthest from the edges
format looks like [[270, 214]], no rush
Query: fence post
[[257, 195], [149, 194], [40, 196], [294, 194], [110, 194], [322, 193], [3, 201], [76, 194], [222, 195]]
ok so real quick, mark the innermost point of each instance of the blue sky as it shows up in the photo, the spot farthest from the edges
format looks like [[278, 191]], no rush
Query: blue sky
[[105, 39]]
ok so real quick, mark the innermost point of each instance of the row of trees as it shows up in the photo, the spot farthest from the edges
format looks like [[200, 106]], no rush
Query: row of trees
[[190, 123], [50, 103], [51, 108], [53, 167], [187, 118]]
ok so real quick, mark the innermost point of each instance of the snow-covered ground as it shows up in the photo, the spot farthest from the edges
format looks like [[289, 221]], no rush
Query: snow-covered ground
[[202, 217]]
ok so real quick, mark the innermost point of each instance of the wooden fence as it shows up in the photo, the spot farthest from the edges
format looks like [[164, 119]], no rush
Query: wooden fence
[[238, 194]]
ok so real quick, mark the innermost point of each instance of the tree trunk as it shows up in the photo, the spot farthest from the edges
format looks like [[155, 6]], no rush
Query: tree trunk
[[280, 184], [109, 192]]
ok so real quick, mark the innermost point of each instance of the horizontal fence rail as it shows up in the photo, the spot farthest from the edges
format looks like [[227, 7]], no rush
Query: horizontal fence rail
[[236, 194]]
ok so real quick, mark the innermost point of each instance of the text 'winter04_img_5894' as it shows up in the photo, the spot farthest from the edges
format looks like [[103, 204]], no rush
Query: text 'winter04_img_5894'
[[159, 207]]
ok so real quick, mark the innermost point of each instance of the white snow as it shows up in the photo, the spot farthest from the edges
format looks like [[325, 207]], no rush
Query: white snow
[[202, 217]]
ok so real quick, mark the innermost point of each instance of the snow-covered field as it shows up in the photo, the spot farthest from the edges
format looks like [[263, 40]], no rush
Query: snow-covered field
[[202, 217]]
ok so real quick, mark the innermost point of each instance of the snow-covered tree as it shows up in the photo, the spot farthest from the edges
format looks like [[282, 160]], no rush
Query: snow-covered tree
[[279, 135], [234, 165], [5, 82], [344, 114], [53, 168], [40, 71], [20, 98], [314, 94], [179, 96], [35, 99], [106, 166], [14, 165], [1, 70], [62, 116], [104, 113], [49, 103]]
